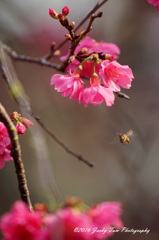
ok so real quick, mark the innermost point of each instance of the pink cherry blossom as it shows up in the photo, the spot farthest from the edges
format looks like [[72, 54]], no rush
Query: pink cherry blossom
[[90, 45], [21, 129], [115, 75], [106, 215], [5, 146], [96, 93], [68, 85], [20, 223], [93, 46], [154, 3], [66, 225]]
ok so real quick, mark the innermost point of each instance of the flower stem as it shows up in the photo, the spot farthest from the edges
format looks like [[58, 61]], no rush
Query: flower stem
[[16, 154]]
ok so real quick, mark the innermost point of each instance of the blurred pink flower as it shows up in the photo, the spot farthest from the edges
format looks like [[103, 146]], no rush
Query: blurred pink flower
[[106, 215], [115, 75], [20, 223], [64, 225], [69, 223], [5, 146], [68, 85], [154, 3], [21, 129], [26, 122]]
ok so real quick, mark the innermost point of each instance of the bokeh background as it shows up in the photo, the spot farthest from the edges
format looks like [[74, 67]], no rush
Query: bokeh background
[[129, 173]]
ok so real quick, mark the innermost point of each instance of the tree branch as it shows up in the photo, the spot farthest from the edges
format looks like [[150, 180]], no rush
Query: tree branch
[[18, 93], [95, 8], [16, 154]]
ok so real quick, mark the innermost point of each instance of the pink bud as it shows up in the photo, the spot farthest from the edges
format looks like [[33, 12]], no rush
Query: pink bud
[[110, 57], [27, 123], [65, 11], [61, 16], [52, 13], [20, 128]]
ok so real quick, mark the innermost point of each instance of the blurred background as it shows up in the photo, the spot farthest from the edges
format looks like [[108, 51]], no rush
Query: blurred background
[[128, 173]]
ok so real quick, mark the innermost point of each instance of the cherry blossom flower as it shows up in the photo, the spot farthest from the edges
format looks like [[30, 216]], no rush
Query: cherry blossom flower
[[109, 74], [65, 223], [106, 215], [68, 223], [154, 3], [68, 85], [115, 75], [5, 146], [96, 93], [87, 46], [20, 223]]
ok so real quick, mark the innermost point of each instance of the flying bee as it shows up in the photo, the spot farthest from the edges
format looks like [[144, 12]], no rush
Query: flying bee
[[125, 137]]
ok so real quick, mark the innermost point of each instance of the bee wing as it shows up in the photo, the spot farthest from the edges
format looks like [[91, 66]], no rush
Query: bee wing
[[131, 133]]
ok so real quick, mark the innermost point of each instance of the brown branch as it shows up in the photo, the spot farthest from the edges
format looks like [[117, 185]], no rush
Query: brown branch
[[122, 95], [52, 135], [16, 154], [89, 27], [18, 93], [75, 41], [95, 8], [40, 61]]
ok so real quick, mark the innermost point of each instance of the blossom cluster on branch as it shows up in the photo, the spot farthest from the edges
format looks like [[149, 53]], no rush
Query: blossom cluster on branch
[[69, 223], [93, 73], [5, 143]]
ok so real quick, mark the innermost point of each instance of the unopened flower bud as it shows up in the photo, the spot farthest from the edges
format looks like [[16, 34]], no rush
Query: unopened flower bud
[[61, 17], [72, 202], [71, 59], [68, 36], [65, 11], [84, 50], [71, 26], [26, 122], [109, 57], [21, 129], [57, 53], [14, 116], [53, 14]]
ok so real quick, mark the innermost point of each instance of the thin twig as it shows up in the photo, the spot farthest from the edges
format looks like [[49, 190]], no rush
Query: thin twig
[[16, 154], [122, 95], [75, 41], [51, 134], [95, 8], [89, 27], [18, 93], [29, 59]]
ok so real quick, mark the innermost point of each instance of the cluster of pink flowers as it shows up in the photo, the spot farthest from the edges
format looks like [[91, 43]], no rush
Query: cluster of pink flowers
[[21, 123], [66, 224], [5, 146], [154, 3], [93, 73], [5, 143]]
